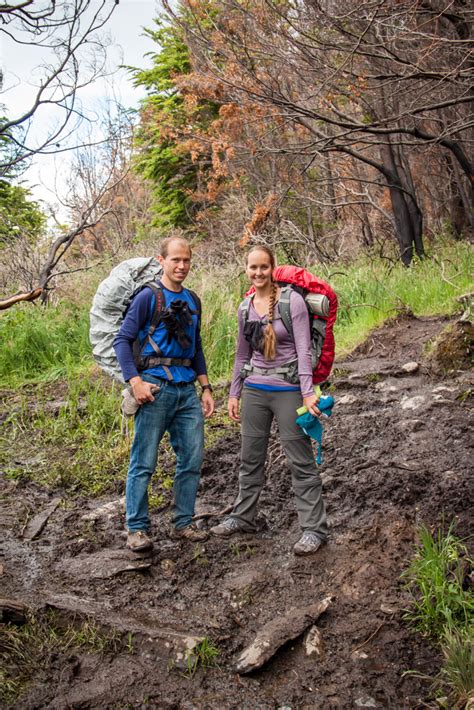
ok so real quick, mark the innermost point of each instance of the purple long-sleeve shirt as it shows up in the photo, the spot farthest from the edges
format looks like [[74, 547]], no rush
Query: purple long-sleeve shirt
[[288, 349]]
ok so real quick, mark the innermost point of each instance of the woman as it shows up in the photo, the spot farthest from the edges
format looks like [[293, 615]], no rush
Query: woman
[[272, 371]]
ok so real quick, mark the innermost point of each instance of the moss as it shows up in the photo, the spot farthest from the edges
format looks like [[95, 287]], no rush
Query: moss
[[453, 348]]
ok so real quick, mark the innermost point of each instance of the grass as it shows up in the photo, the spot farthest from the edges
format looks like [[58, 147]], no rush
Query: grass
[[220, 296], [372, 290], [43, 344], [204, 656], [76, 444], [28, 650], [436, 580], [442, 608]]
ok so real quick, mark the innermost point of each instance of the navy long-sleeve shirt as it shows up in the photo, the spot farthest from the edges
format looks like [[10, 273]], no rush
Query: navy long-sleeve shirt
[[136, 324]]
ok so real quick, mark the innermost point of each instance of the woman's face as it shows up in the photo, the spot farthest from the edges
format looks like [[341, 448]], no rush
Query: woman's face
[[259, 269]]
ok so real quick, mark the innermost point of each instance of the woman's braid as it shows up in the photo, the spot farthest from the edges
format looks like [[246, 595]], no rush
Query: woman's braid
[[269, 338]]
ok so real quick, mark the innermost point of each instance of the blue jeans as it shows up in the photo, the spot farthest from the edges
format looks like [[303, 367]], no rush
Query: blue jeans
[[176, 409]]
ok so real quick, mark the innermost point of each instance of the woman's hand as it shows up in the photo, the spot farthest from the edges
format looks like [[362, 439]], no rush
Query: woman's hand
[[234, 409], [311, 404]]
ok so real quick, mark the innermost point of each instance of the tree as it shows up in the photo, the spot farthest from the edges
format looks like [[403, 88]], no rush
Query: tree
[[70, 33], [167, 116], [379, 83], [34, 266], [20, 215]]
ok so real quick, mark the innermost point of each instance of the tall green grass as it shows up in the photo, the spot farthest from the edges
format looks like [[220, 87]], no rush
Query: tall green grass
[[221, 294], [437, 581], [41, 344], [442, 607], [372, 290]]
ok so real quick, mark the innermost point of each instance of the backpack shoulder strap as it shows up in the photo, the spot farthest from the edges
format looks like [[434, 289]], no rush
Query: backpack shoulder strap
[[198, 304], [159, 306], [284, 307], [245, 307]]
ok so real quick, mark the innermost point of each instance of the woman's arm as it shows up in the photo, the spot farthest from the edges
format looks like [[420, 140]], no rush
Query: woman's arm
[[243, 354]]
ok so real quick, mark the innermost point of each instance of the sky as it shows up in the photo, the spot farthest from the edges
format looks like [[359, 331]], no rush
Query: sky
[[20, 65]]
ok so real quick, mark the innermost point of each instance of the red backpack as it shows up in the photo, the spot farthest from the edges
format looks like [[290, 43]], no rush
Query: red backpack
[[321, 302], [322, 314]]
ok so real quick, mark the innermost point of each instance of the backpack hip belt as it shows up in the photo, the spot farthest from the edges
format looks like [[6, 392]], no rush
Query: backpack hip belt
[[147, 363], [289, 371]]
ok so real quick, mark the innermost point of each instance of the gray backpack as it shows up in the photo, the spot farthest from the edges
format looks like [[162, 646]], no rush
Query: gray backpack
[[110, 304]]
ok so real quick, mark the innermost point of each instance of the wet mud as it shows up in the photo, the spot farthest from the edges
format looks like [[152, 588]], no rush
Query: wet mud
[[396, 454]]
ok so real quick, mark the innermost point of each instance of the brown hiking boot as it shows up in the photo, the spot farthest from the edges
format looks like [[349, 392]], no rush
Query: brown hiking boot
[[138, 541], [191, 533]]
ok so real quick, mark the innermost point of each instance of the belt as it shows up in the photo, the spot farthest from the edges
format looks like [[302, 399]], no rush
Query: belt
[[175, 384]]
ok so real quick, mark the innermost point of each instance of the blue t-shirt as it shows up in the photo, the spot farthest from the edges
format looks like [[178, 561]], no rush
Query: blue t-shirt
[[136, 324]]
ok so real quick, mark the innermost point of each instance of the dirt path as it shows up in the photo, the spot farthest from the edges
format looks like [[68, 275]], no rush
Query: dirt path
[[396, 454]]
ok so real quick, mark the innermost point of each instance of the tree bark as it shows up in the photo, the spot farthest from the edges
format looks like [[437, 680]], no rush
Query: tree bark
[[405, 228]]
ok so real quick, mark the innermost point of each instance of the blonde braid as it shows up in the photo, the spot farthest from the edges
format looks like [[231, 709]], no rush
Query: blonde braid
[[269, 338]]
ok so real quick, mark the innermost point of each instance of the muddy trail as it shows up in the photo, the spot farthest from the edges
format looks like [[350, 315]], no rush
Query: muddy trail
[[396, 454]]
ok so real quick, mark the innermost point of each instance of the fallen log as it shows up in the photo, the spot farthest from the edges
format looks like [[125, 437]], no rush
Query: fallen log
[[103, 564], [276, 633]]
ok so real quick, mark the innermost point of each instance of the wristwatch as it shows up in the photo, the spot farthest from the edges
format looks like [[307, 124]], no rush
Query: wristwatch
[[206, 387]]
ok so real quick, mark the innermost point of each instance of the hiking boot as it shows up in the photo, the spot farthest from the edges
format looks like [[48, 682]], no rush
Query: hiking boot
[[308, 543], [138, 541], [228, 527], [191, 533]]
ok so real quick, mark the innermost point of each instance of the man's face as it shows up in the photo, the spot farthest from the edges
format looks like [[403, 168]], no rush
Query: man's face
[[176, 264]]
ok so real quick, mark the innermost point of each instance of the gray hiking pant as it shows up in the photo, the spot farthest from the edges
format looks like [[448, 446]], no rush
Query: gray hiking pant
[[257, 412]]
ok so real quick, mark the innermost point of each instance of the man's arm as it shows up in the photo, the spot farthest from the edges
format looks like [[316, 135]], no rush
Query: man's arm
[[135, 319], [198, 363]]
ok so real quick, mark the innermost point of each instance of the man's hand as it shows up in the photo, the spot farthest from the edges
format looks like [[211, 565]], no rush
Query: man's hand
[[142, 391], [311, 405], [234, 409], [207, 403]]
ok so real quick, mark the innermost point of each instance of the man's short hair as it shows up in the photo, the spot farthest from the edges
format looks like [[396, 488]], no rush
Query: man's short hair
[[164, 245]]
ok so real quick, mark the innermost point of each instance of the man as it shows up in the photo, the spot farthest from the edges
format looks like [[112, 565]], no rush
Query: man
[[166, 393]]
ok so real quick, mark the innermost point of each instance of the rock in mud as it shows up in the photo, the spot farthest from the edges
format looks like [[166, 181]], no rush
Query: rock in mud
[[35, 526], [366, 702], [347, 399], [313, 643], [412, 402], [103, 564], [277, 632], [106, 511], [410, 367]]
